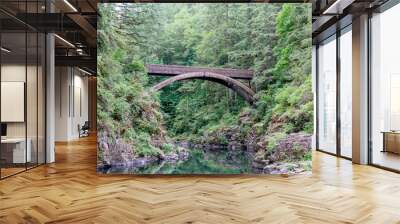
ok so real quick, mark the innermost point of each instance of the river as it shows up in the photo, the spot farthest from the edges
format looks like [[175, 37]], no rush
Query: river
[[200, 161]]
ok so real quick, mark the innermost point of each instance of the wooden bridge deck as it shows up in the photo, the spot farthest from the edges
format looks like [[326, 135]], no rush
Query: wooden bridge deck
[[173, 70]]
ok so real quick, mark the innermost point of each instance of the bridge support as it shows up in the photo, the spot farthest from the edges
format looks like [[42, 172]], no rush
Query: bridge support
[[243, 90]]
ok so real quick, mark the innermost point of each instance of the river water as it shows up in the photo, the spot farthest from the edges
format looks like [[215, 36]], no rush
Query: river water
[[200, 161]]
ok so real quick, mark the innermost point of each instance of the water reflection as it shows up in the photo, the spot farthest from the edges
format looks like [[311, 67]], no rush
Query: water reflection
[[200, 161]]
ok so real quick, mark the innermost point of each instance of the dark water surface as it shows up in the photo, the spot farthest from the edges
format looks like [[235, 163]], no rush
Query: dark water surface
[[200, 161]]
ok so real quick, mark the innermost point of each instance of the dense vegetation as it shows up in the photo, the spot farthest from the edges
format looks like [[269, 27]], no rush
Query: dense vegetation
[[271, 39], [126, 111]]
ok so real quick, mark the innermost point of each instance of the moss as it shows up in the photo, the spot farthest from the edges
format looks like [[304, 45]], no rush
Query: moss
[[307, 156], [168, 148], [273, 141], [147, 150]]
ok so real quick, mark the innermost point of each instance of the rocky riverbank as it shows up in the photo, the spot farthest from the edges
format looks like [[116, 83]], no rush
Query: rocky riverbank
[[115, 152], [214, 146], [285, 154], [130, 161]]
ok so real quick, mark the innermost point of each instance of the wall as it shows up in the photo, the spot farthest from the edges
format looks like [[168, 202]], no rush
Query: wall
[[9, 73], [33, 127], [15, 72], [71, 102]]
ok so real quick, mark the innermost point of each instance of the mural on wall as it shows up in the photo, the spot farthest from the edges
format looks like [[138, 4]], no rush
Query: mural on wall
[[204, 88]]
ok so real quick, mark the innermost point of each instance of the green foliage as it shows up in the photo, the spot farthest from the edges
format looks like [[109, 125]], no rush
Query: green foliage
[[168, 147], [146, 150], [271, 39], [286, 104], [126, 111], [307, 156], [220, 35], [273, 141]]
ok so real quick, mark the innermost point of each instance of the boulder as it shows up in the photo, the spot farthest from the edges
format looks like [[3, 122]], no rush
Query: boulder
[[283, 168], [292, 147]]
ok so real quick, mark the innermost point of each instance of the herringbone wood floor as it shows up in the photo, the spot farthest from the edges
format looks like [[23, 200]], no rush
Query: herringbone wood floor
[[70, 191]]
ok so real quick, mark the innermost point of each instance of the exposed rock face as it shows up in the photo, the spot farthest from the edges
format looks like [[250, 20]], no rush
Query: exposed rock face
[[234, 146], [292, 147], [180, 155], [114, 151], [117, 153], [183, 144], [233, 136], [284, 168]]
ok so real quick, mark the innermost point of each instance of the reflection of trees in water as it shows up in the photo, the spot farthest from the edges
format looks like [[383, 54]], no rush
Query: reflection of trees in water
[[200, 161]]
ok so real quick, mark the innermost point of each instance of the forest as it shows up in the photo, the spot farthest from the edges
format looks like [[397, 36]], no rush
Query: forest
[[186, 120]]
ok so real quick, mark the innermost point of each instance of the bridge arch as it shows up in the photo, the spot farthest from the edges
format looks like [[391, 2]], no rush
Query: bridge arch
[[244, 91]]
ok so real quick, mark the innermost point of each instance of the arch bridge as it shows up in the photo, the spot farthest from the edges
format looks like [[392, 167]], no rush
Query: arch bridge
[[227, 77]]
